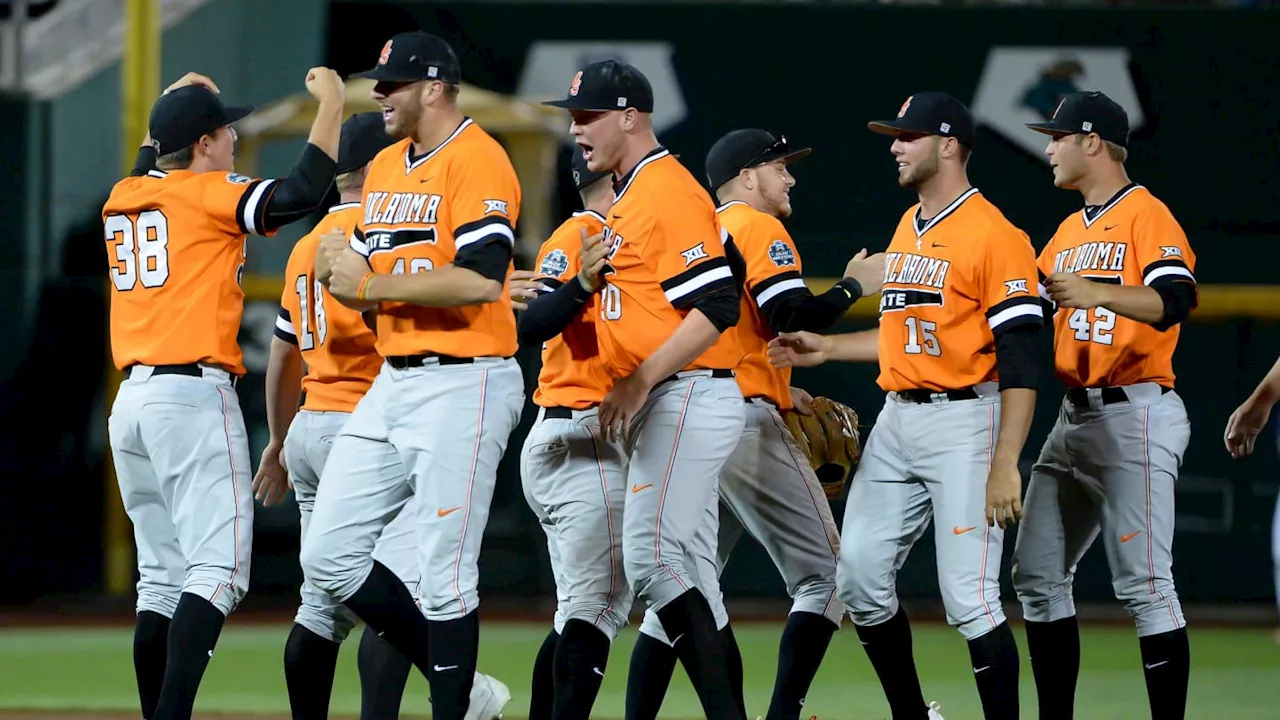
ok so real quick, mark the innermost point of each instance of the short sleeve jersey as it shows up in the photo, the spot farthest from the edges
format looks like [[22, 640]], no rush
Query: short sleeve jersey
[[1131, 240], [429, 211], [951, 285], [176, 244], [573, 373], [336, 345], [666, 252], [772, 275]]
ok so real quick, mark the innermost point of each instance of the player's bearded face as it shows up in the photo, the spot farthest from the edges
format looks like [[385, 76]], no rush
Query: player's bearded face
[[775, 182], [401, 106], [917, 159]]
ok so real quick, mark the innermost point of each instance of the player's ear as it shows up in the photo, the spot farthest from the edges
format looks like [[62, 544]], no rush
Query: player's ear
[[627, 120]]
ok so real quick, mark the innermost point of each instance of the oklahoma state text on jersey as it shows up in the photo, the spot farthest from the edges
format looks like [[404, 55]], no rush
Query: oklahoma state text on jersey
[[423, 213], [573, 373], [667, 252], [773, 274], [176, 246], [1132, 240], [335, 343], [950, 285]]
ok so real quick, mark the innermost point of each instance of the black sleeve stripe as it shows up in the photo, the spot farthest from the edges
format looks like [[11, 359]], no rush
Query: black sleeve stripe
[[779, 287], [482, 230], [490, 259], [1172, 269], [251, 211], [1015, 312], [769, 282], [710, 287], [693, 272]]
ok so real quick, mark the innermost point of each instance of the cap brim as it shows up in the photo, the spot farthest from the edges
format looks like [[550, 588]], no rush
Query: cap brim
[[233, 114], [1049, 129], [382, 74], [575, 104], [790, 157], [889, 127]]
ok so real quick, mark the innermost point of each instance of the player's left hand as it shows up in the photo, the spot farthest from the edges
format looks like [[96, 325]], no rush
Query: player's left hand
[[1074, 291], [525, 287], [1004, 494], [272, 479], [345, 276], [193, 78], [1244, 426], [801, 401], [620, 407], [332, 245]]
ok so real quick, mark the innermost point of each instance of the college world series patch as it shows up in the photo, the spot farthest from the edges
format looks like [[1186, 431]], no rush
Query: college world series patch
[[554, 264], [780, 253]]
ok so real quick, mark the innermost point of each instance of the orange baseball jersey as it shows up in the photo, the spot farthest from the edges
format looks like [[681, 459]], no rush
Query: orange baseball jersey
[[773, 273], [951, 283], [335, 342], [666, 251], [176, 247], [1131, 240], [573, 373], [425, 212]]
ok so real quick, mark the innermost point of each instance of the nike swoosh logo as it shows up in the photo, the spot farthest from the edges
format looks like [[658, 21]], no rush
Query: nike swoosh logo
[[442, 668], [638, 488], [960, 531], [1109, 227], [1152, 666], [597, 671], [442, 512], [937, 245], [981, 669], [1130, 536], [433, 177]]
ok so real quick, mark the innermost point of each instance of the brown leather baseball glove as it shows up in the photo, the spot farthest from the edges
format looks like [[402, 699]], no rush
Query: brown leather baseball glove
[[829, 438]]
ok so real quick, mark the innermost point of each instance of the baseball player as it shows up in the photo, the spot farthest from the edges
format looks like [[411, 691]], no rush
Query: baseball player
[[1119, 273], [1243, 428], [175, 236], [767, 486], [960, 319], [338, 349], [432, 253], [668, 296], [575, 480]]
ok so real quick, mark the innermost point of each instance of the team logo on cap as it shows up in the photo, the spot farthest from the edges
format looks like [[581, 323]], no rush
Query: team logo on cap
[[903, 110], [386, 54], [577, 83]]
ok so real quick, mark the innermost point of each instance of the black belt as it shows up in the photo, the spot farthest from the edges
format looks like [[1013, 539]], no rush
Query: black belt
[[400, 362], [1110, 395], [922, 395], [188, 369], [718, 373], [558, 413]]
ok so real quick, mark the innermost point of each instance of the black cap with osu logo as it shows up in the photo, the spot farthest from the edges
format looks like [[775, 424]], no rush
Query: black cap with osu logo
[[413, 57], [1083, 113], [181, 117], [930, 113], [608, 85]]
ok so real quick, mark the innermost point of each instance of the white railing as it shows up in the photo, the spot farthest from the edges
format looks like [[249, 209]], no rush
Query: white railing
[[70, 43]]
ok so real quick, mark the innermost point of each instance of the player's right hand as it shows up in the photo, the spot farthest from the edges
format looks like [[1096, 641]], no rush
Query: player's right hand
[[798, 349], [593, 258], [524, 287], [325, 84], [332, 244], [1004, 494], [867, 270], [192, 78], [271, 482], [1244, 426]]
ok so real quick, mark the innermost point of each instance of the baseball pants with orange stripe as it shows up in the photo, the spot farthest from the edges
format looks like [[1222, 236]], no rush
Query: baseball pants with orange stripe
[[306, 451], [575, 482], [679, 443], [922, 461], [434, 433], [701, 559], [181, 457], [1109, 466]]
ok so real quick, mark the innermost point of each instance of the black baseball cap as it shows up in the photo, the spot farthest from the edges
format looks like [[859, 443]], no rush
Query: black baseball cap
[[181, 117], [363, 136], [608, 85], [741, 149], [930, 113], [415, 56], [1085, 113], [583, 175]]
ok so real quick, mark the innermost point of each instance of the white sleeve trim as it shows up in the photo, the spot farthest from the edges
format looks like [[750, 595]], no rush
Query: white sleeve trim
[[1017, 311], [251, 206], [1167, 271], [484, 233], [692, 285], [778, 289]]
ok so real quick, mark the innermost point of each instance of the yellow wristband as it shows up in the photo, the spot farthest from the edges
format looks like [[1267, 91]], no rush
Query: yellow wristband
[[363, 290]]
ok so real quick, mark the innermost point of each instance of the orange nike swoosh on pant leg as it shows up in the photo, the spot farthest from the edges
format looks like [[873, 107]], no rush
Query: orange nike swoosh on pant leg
[[1130, 536], [960, 531], [442, 512], [638, 488]]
